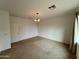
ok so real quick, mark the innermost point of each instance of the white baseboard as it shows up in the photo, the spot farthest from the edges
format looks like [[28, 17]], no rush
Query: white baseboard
[[24, 39]]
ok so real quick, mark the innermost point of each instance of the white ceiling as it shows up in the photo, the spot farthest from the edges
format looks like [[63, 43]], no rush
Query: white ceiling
[[27, 8]]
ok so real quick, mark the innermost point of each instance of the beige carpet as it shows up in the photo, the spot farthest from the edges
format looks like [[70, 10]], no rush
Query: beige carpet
[[38, 48]]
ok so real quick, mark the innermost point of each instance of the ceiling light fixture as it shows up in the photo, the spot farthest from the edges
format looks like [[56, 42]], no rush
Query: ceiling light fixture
[[37, 18]]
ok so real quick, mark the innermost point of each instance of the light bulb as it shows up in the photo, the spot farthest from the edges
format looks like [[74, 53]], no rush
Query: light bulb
[[38, 20]]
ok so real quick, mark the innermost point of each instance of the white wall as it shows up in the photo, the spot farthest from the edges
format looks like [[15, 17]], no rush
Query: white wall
[[4, 31], [58, 28], [22, 28]]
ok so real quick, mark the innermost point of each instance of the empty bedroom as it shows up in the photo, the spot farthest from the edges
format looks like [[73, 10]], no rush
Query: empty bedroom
[[39, 29]]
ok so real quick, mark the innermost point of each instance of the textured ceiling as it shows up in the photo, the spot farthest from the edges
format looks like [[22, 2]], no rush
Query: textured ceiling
[[28, 8]]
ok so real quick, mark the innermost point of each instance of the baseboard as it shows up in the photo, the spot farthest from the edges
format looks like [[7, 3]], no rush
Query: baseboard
[[22, 40], [41, 37], [55, 41], [4, 50]]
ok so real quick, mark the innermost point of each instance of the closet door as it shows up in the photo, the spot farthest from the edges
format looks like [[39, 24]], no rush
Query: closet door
[[4, 31]]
